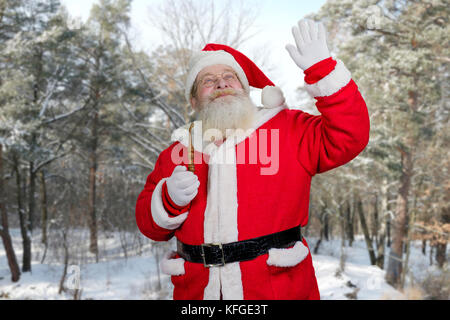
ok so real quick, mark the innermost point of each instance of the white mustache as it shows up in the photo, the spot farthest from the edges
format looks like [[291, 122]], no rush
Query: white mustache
[[219, 93]]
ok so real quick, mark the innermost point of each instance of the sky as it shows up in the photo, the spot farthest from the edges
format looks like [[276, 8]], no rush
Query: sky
[[275, 22]]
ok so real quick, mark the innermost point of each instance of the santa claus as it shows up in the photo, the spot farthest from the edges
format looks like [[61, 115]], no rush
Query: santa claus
[[234, 186]]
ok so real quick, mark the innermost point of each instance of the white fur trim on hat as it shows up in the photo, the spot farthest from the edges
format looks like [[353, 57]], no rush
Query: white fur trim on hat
[[272, 97], [208, 58]]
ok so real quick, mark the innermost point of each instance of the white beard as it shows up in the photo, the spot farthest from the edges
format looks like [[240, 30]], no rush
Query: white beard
[[228, 113]]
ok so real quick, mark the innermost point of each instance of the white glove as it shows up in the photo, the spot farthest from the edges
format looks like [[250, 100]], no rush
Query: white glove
[[310, 38], [182, 186]]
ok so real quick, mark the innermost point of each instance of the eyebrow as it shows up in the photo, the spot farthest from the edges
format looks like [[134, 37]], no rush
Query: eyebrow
[[212, 74]]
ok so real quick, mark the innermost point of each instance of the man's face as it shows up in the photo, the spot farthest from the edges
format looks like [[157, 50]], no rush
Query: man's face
[[215, 82]]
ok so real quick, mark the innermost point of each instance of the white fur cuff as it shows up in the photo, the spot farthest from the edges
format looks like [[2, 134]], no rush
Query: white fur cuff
[[288, 257], [160, 215], [172, 266], [332, 83]]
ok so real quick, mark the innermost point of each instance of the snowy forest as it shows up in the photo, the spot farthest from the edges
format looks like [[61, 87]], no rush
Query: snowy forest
[[84, 114]]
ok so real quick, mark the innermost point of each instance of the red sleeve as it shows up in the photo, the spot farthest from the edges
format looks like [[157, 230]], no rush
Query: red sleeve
[[341, 132], [144, 219]]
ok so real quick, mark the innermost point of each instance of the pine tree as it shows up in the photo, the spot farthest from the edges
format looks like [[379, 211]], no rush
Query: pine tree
[[397, 52], [35, 67], [4, 227], [100, 50]]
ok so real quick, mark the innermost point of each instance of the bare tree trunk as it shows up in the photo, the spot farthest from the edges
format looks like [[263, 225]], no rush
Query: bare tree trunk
[[44, 216], [31, 196], [2, 10], [4, 229], [408, 245], [326, 228], [381, 245], [441, 247], [382, 234], [375, 217], [431, 254], [381, 248], [365, 229], [39, 75], [26, 241], [343, 256], [66, 264], [93, 247], [394, 271], [386, 210], [43, 208], [323, 216], [316, 247], [123, 242], [378, 234], [388, 231], [349, 219]]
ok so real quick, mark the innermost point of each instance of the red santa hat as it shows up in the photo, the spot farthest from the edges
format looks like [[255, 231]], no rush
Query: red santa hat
[[247, 71]]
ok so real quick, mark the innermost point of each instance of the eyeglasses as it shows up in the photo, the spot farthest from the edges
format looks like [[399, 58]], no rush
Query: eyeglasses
[[211, 80]]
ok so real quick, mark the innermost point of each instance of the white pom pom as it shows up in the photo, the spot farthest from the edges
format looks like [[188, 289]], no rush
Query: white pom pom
[[272, 97]]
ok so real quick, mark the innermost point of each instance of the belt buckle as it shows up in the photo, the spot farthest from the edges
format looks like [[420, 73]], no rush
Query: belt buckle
[[222, 262]]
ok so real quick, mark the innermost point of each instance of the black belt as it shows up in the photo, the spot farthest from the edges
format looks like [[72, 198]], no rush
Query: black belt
[[217, 254]]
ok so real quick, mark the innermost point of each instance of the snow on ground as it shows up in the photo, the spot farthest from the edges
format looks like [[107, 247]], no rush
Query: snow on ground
[[136, 277], [132, 278], [359, 280], [368, 279], [113, 277]]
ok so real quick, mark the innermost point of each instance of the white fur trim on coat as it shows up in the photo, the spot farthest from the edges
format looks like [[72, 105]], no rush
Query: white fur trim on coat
[[331, 83], [220, 225], [160, 215], [288, 257], [172, 266]]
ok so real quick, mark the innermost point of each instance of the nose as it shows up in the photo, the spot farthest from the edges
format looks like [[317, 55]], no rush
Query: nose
[[221, 84]]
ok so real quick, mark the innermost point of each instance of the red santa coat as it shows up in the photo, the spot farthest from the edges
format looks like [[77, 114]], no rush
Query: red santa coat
[[245, 194]]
